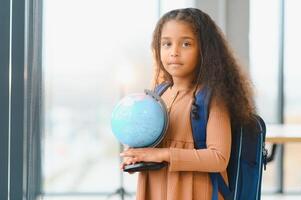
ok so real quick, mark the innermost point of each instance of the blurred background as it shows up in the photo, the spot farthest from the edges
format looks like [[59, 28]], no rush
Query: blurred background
[[81, 57]]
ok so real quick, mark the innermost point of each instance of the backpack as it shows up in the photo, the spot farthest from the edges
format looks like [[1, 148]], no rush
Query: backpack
[[248, 153]]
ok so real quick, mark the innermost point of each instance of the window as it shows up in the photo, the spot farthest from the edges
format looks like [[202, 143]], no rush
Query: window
[[87, 45], [292, 62], [265, 52]]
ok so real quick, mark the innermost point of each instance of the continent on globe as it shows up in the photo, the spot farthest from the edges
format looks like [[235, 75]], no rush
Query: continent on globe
[[140, 120]]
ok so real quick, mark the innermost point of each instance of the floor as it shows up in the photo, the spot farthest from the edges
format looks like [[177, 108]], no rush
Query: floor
[[263, 197], [280, 197]]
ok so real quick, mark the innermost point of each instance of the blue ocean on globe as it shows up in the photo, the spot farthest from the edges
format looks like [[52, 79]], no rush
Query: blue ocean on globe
[[138, 120]]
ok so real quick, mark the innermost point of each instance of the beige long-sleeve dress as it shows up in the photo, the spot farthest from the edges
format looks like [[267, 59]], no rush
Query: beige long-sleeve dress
[[186, 176]]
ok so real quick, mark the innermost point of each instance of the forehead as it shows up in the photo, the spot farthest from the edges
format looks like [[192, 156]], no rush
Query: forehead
[[177, 29]]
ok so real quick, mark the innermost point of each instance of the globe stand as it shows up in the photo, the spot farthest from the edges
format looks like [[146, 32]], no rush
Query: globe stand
[[142, 166]]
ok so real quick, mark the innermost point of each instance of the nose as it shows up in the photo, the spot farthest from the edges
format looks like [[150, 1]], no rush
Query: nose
[[175, 52]]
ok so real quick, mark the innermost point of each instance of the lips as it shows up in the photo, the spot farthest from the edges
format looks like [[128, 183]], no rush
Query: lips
[[175, 63]]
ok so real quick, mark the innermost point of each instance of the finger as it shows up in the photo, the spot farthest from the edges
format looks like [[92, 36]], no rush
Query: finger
[[130, 161], [123, 163], [122, 166], [127, 153], [135, 160]]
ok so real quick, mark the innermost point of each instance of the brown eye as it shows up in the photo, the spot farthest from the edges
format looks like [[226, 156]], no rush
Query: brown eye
[[186, 44], [166, 44]]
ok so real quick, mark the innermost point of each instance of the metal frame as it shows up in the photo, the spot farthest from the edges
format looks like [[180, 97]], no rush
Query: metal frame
[[4, 96], [17, 157], [281, 97], [33, 97], [17, 68]]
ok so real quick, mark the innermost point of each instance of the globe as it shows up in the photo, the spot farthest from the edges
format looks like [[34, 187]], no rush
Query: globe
[[140, 120]]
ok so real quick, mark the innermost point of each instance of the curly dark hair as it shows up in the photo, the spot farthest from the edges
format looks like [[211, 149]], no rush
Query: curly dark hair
[[217, 67]]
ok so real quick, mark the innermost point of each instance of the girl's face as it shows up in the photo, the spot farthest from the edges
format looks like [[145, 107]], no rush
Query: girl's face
[[179, 49]]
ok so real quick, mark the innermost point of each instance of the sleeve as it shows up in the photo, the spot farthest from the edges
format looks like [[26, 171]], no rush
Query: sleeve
[[216, 156]]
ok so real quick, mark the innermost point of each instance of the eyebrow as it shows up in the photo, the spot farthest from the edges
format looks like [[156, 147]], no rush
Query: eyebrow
[[184, 37]]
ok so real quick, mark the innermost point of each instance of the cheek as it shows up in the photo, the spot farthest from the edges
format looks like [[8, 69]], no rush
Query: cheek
[[194, 59], [163, 58], [163, 55]]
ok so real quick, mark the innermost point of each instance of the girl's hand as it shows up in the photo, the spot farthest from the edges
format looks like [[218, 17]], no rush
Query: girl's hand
[[133, 156], [126, 161]]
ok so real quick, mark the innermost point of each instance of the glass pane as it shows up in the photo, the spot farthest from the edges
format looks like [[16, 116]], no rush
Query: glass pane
[[292, 62], [87, 44], [264, 29], [264, 45], [292, 73]]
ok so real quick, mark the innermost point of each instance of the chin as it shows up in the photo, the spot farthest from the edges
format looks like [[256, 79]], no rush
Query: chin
[[175, 71], [178, 75]]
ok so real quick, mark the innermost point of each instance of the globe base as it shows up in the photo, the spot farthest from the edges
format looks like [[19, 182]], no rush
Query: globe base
[[142, 166]]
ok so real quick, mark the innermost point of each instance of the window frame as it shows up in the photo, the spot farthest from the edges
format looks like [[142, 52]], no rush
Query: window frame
[[4, 96]]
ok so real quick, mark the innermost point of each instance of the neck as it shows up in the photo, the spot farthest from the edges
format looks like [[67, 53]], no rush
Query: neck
[[181, 84]]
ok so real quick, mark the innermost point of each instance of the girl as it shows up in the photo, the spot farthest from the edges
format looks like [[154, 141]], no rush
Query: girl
[[190, 53]]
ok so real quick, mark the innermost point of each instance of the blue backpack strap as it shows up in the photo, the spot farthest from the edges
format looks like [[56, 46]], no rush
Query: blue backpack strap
[[218, 184], [214, 181], [160, 89], [199, 127], [222, 186]]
